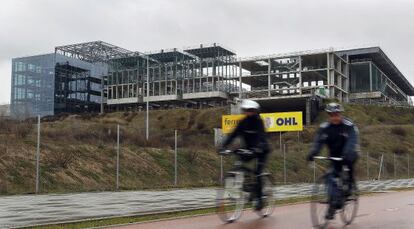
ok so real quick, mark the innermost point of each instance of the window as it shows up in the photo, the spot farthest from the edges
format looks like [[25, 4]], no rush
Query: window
[[360, 77]]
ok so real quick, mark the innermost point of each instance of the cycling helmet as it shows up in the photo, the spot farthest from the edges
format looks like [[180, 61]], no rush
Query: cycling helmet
[[334, 108], [248, 104]]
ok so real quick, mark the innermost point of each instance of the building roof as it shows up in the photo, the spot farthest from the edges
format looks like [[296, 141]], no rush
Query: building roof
[[377, 55], [170, 55], [210, 50], [95, 51]]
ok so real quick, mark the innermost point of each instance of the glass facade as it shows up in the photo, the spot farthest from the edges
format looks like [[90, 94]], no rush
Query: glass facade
[[33, 89], [32, 86], [359, 77], [367, 77]]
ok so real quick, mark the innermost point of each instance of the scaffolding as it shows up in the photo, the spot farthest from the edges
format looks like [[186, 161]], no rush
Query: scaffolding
[[194, 77]]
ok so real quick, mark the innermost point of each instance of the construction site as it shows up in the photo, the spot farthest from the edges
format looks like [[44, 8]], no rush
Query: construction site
[[100, 77]]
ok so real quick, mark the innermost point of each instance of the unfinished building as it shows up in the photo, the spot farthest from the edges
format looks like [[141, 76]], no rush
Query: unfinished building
[[194, 77], [96, 76]]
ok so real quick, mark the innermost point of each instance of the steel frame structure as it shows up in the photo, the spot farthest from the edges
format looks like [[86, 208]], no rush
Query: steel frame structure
[[194, 77], [95, 51], [73, 90], [212, 74]]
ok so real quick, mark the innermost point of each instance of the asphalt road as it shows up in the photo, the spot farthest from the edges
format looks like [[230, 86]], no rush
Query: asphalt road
[[387, 210], [25, 210]]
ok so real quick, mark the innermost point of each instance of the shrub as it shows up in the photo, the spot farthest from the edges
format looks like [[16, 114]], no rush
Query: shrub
[[192, 155], [364, 142], [400, 150], [399, 131], [201, 126], [6, 125], [131, 116], [22, 130], [62, 160]]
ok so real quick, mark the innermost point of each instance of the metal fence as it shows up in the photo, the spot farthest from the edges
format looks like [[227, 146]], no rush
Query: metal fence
[[180, 159]]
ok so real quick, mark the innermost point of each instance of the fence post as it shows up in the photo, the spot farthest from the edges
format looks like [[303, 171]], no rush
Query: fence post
[[284, 163], [395, 168], [221, 169], [408, 165], [117, 157], [148, 95], [298, 137], [280, 141], [367, 165], [380, 168], [175, 158], [38, 155], [314, 171]]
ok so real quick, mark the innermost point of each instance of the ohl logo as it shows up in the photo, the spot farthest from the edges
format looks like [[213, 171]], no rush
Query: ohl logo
[[286, 121]]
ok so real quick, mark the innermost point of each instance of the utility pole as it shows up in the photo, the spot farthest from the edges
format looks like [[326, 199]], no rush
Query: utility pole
[[367, 165], [147, 114], [284, 163], [175, 158], [117, 159], [38, 155], [380, 168]]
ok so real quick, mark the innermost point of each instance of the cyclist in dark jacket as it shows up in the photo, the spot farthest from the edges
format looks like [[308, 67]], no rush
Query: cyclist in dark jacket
[[341, 137], [252, 132]]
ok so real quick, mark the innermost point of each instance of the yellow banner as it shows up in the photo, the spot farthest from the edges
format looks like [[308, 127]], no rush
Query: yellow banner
[[273, 122]]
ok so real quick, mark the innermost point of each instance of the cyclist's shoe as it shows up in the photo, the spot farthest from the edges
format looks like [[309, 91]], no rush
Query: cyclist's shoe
[[330, 214], [259, 205]]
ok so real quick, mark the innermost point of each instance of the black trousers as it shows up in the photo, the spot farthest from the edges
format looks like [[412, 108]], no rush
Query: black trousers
[[337, 170], [261, 160]]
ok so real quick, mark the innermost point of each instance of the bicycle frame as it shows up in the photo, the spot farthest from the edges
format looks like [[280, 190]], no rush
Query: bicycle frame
[[341, 181]]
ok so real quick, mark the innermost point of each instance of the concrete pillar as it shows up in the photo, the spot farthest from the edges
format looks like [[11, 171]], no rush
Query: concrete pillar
[[240, 81], [308, 112], [269, 68], [346, 72], [328, 78], [370, 76], [102, 94], [300, 75]]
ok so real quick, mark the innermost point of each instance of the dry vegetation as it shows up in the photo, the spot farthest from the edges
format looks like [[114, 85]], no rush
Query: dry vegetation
[[78, 151]]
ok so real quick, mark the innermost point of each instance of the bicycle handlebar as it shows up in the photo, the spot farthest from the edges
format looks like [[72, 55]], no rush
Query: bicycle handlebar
[[238, 152], [329, 158]]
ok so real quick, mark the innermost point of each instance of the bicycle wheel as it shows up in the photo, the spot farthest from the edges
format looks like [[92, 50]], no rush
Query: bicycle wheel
[[230, 198], [319, 203], [350, 208], [268, 197]]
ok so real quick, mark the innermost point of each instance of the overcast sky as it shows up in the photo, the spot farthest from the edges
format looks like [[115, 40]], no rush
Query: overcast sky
[[250, 27]]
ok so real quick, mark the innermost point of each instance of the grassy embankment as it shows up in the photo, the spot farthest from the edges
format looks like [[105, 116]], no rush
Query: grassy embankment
[[78, 152]]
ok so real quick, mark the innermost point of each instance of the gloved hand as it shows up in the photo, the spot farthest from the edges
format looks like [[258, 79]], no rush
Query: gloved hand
[[310, 157]]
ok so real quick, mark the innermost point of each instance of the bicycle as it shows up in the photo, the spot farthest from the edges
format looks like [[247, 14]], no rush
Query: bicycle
[[348, 200], [238, 189]]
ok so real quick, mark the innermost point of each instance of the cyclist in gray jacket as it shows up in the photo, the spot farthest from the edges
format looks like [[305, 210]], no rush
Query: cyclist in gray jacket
[[341, 137]]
